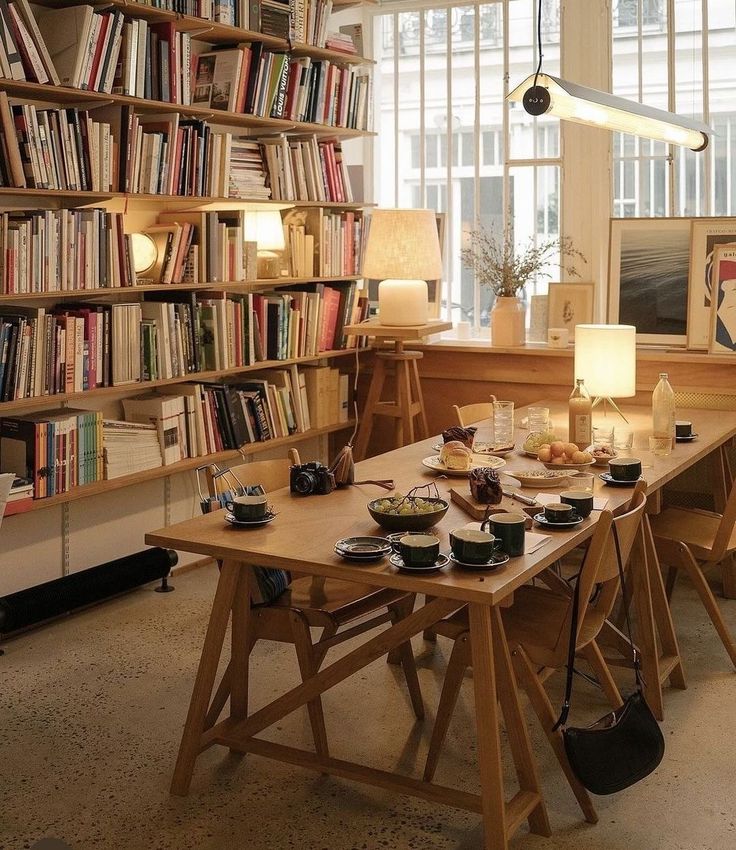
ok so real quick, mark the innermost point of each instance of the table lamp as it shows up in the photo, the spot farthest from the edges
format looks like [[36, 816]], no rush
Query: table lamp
[[605, 358], [265, 228], [403, 252]]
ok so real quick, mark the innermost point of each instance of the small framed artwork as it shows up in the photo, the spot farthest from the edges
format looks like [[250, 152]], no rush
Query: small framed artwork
[[570, 304], [648, 271], [706, 234], [723, 301], [538, 318]]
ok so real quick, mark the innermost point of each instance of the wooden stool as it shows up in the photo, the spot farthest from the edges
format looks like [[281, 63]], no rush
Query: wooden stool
[[407, 402], [406, 405]]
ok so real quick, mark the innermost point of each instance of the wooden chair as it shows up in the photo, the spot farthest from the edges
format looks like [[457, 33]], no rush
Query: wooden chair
[[469, 413], [691, 539], [537, 627], [338, 608]]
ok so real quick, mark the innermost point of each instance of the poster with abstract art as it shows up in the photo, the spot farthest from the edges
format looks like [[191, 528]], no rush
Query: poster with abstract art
[[570, 304], [648, 277], [706, 234], [723, 301]]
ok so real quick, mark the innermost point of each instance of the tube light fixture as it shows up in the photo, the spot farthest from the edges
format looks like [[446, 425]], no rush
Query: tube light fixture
[[543, 94]]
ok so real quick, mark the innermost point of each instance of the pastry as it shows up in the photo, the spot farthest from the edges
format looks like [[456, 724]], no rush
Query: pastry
[[454, 455], [462, 435], [485, 486]]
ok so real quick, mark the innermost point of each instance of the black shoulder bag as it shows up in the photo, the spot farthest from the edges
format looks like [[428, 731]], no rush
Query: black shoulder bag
[[625, 745]]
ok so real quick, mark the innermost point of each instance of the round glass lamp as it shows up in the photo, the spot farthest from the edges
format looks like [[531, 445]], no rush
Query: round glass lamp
[[605, 358], [403, 252]]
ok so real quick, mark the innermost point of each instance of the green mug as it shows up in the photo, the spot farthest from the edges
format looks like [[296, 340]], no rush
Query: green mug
[[510, 529], [471, 546]]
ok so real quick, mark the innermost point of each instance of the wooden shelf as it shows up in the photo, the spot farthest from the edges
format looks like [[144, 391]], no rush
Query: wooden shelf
[[100, 487], [214, 33], [61, 94], [227, 286], [21, 404]]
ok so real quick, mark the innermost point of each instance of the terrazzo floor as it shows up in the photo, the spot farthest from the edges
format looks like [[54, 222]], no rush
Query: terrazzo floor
[[91, 709]]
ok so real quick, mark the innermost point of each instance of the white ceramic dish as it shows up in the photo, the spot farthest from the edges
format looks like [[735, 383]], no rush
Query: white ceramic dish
[[433, 462]]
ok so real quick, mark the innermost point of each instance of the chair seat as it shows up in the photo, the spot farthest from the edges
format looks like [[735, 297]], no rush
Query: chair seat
[[341, 601], [536, 621], [696, 528]]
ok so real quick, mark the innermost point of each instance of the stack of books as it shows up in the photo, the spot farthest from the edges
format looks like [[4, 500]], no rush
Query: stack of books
[[309, 21], [129, 448], [341, 244], [246, 173], [342, 42], [58, 250], [20, 497], [232, 12], [23, 53], [55, 149], [307, 169], [56, 449]]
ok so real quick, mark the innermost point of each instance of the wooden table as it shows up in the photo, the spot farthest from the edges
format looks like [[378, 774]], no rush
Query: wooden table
[[302, 538]]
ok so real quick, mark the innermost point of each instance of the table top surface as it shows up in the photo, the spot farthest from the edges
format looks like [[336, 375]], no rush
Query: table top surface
[[303, 534], [372, 327]]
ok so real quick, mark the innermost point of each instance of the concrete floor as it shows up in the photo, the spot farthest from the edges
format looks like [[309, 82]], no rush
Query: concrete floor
[[91, 709]]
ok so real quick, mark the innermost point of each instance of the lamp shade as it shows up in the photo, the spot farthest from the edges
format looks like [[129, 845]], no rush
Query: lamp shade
[[265, 228], [403, 245], [605, 358], [572, 102]]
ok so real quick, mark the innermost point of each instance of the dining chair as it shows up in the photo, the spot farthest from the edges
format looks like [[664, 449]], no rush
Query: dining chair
[[537, 627], [469, 413], [691, 540], [338, 608]]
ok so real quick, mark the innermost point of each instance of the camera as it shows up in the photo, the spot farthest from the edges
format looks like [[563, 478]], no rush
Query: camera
[[310, 478]]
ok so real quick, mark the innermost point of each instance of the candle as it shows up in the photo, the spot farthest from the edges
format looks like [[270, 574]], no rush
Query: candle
[[403, 302]]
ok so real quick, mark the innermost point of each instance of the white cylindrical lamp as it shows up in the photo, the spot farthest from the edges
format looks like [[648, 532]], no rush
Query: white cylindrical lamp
[[403, 252]]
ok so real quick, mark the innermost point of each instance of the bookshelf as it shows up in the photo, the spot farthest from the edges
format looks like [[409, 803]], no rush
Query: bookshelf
[[140, 211]]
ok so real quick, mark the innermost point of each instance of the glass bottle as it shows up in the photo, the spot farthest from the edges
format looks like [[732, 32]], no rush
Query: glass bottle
[[580, 409], [663, 409]]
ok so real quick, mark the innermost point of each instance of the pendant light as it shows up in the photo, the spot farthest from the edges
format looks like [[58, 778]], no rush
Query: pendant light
[[543, 94]]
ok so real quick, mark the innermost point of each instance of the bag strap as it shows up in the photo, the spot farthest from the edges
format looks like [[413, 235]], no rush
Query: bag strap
[[562, 719]]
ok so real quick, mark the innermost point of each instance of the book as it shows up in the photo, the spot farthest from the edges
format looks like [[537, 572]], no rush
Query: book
[[167, 413]]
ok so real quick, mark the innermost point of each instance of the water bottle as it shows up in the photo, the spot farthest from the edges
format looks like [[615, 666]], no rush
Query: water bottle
[[663, 409]]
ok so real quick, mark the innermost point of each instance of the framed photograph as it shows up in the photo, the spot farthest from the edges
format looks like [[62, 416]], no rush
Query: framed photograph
[[648, 273], [723, 301], [706, 234], [570, 304]]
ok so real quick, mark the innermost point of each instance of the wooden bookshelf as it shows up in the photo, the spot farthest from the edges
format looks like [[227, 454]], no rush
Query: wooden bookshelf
[[143, 386], [62, 94], [99, 487], [213, 33], [227, 286]]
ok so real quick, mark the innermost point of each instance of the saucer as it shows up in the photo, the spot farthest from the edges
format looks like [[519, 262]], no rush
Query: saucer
[[607, 478], [491, 564], [397, 561], [251, 523], [363, 547], [540, 519], [687, 439], [364, 559]]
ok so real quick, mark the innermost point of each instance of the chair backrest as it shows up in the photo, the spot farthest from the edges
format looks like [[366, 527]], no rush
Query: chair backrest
[[270, 474], [725, 526], [599, 576], [469, 413]]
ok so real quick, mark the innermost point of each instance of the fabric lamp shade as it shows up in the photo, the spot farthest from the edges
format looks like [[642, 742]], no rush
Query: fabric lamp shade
[[265, 228], [403, 252], [605, 358]]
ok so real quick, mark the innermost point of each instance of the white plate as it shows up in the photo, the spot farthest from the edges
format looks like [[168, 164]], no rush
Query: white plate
[[485, 450], [545, 523], [535, 478], [572, 467], [489, 461]]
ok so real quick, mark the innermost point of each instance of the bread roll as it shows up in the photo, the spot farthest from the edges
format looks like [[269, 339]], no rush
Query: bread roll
[[454, 455]]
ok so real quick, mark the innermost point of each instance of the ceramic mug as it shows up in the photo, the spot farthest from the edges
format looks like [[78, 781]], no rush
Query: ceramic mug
[[683, 428], [558, 337], [510, 529], [557, 512], [471, 546], [247, 508], [417, 550], [624, 468], [581, 501]]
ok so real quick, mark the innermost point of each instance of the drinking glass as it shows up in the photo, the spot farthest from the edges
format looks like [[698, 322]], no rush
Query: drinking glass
[[603, 436], [582, 481], [538, 419], [623, 440], [660, 446], [503, 423]]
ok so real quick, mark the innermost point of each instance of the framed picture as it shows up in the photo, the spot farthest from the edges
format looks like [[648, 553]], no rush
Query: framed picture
[[648, 271], [706, 234], [723, 301], [435, 286], [570, 304], [538, 318]]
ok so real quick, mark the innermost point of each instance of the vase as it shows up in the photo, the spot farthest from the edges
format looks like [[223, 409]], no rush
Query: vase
[[508, 321]]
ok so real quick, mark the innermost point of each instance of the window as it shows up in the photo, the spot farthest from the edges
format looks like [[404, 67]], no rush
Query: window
[[651, 178], [447, 139]]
